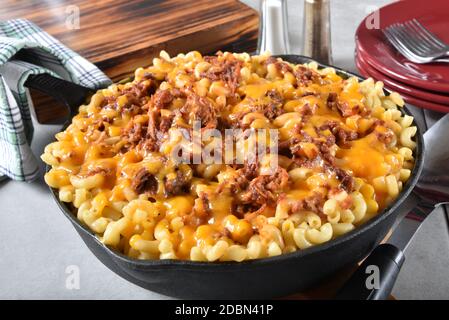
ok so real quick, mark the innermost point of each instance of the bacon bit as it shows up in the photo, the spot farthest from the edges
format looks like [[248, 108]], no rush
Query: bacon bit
[[166, 122], [250, 170], [177, 185], [386, 137], [153, 119], [133, 132], [271, 60], [146, 137], [326, 154], [281, 66], [346, 180], [299, 150], [150, 144], [227, 70], [265, 188], [330, 125], [341, 136], [270, 110], [305, 76], [275, 96], [144, 181], [241, 179], [332, 101], [306, 137], [161, 99], [201, 109], [201, 211], [274, 108], [314, 203], [346, 110], [284, 147], [323, 144], [158, 126], [149, 137], [307, 110], [140, 90], [342, 107], [252, 215], [137, 97]]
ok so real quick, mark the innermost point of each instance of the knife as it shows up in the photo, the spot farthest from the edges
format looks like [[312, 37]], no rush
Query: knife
[[375, 277]]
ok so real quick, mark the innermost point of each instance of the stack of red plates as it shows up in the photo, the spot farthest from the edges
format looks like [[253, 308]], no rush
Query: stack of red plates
[[423, 85]]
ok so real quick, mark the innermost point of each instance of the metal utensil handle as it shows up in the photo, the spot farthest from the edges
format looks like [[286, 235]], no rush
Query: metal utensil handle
[[375, 278]]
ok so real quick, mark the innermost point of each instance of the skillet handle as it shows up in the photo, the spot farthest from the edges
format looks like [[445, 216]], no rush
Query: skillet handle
[[70, 94], [375, 277]]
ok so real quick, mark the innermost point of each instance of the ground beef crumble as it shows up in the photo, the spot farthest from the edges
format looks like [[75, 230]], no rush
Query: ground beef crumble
[[342, 106], [201, 109], [144, 181], [272, 109], [281, 66], [346, 180], [177, 185], [224, 69], [342, 136], [201, 211], [265, 188], [314, 203], [305, 76], [386, 137], [137, 97]]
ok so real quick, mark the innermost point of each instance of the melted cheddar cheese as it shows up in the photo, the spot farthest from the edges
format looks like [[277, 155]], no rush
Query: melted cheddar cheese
[[126, 164]]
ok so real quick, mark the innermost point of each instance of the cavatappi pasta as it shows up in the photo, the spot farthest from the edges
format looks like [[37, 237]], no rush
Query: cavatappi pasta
[[344, 150]]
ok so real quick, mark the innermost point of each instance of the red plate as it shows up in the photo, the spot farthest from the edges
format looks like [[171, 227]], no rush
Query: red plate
[[367, 71], [434, 14], [402, 87]]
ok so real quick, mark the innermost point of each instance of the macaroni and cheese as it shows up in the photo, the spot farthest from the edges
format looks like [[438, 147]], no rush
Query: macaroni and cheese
[[343, 150]]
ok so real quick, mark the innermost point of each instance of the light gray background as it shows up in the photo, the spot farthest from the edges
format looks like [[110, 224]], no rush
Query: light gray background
[[38, 244]]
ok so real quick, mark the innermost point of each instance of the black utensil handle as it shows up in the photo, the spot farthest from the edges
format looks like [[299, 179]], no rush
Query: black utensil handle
[[70, 94], [375, 277]]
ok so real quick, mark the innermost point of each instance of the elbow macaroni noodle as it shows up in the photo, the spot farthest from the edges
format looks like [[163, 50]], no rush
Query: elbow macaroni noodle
[[345, 148]]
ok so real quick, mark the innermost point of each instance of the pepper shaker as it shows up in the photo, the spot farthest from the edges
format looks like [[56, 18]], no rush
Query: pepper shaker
[[317, 31]]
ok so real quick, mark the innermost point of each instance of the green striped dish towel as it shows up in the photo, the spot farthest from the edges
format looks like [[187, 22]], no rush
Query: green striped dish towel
[[25, 50]]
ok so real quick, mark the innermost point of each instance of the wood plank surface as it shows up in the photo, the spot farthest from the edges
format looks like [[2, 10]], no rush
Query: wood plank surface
[[122, 35]]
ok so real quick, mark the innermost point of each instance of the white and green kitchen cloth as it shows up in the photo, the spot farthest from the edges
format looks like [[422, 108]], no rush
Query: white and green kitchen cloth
[[26, 50]]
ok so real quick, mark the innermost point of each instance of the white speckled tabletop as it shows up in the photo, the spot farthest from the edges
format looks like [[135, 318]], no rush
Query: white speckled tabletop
[[38, 245]]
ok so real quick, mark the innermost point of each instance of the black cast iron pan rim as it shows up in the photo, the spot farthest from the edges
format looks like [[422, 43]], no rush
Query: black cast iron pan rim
[[260, 263]]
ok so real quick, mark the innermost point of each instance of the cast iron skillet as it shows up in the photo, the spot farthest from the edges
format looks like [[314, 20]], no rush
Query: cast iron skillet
[[264, 278]]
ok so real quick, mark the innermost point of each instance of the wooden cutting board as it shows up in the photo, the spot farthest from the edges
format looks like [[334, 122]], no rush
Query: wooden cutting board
[[122, 35]]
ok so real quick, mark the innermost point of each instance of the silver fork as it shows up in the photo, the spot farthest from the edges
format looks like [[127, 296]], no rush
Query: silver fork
[[417, 43]]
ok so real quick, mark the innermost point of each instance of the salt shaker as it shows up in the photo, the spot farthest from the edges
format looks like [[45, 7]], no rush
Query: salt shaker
[[317, 30], [273, 29]]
